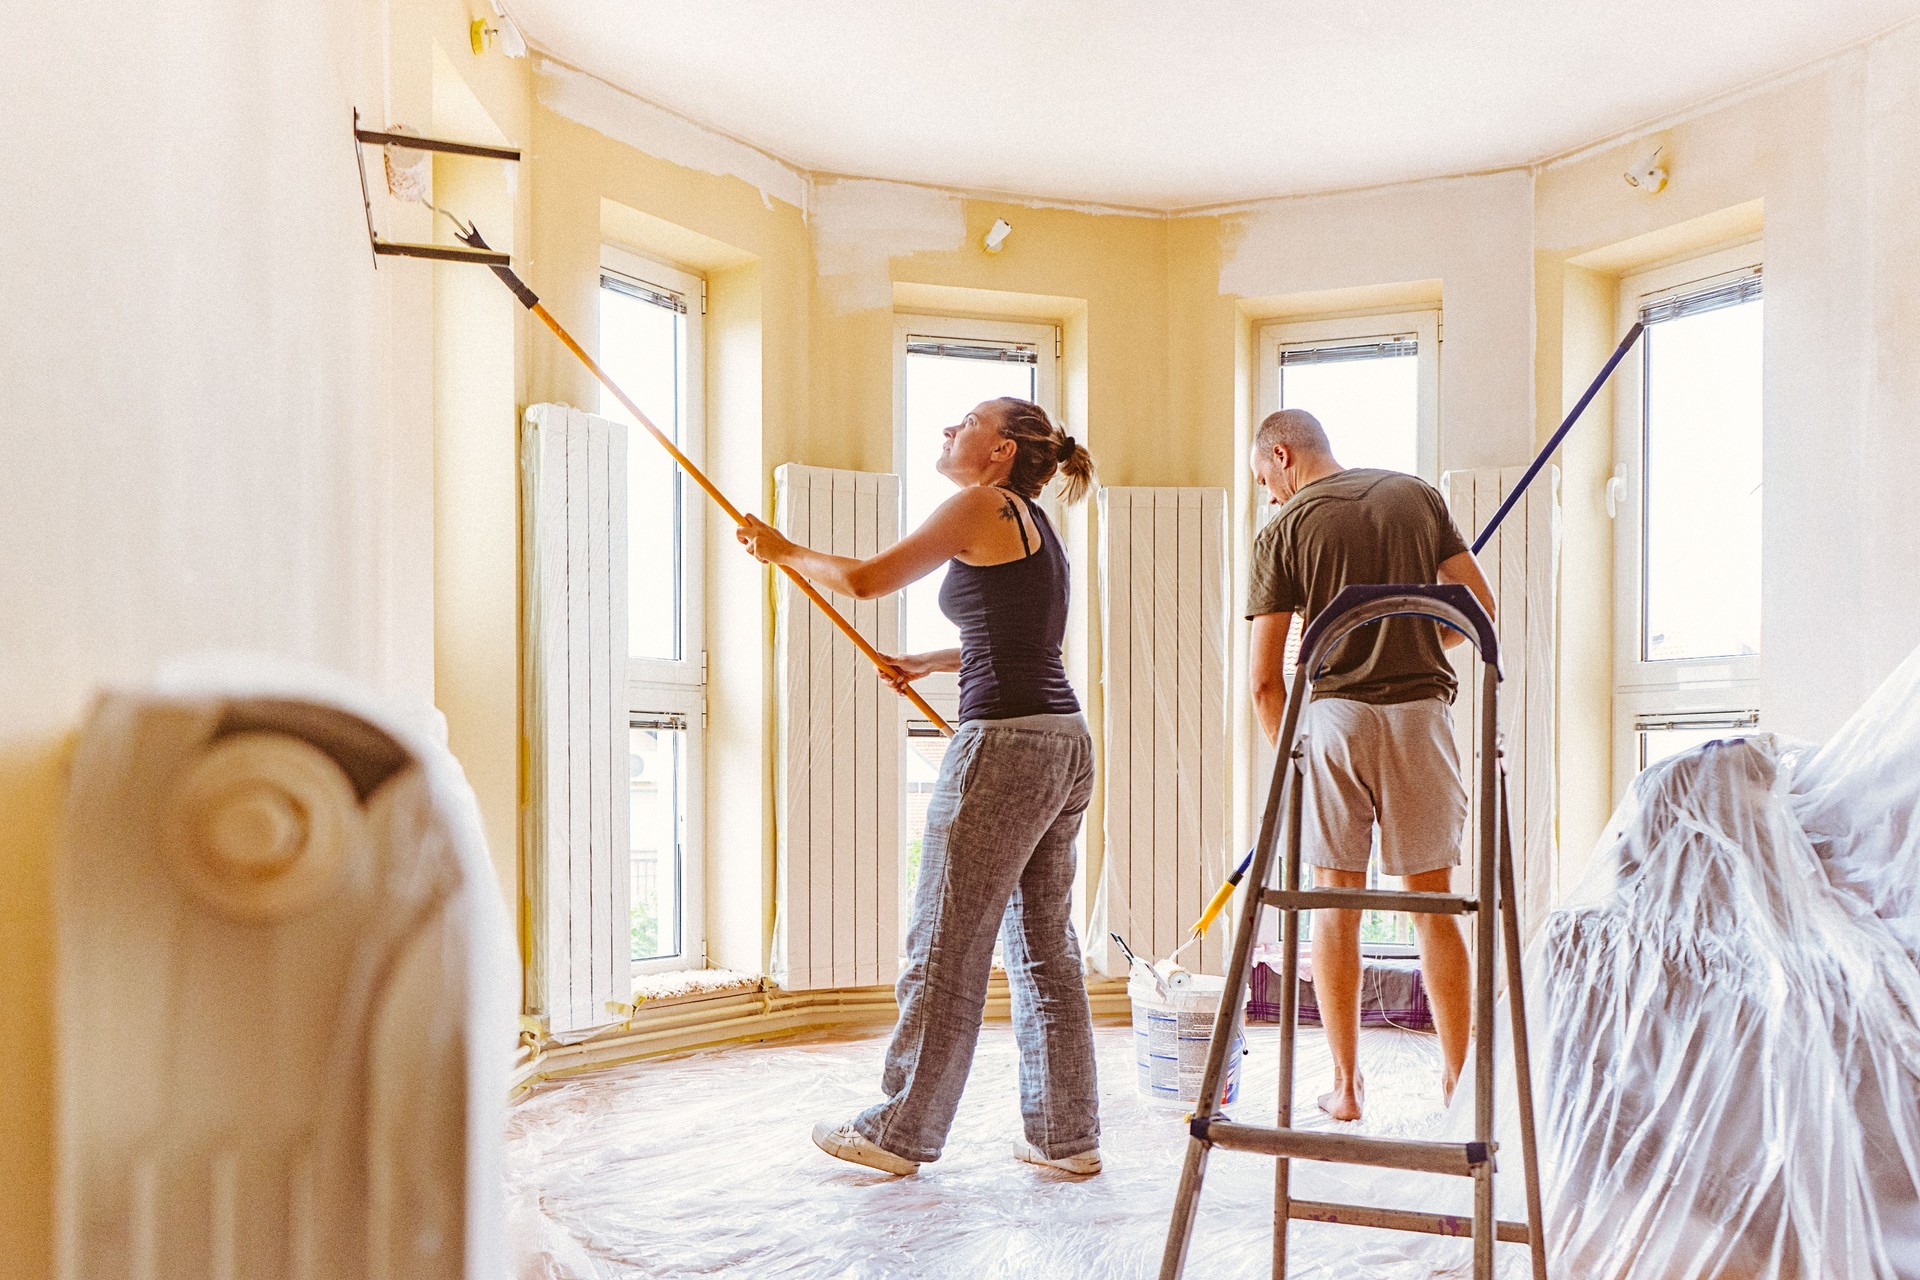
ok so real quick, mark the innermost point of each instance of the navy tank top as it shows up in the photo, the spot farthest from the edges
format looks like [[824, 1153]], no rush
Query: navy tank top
[[1012, 619]]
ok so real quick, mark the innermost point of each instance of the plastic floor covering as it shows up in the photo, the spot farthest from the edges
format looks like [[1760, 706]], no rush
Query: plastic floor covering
[[701, 1165]]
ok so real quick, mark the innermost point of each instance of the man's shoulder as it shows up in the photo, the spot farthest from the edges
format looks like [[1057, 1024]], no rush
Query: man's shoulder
[[1381, 480], [1271, 533]]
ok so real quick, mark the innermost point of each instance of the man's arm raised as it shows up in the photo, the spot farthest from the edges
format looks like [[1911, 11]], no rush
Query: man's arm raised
[[1465, 570]]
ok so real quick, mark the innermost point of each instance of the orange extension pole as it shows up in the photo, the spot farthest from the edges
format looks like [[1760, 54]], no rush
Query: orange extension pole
[[531, 301]]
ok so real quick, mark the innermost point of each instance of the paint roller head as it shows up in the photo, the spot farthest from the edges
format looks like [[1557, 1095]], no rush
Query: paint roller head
[[409, 172], [410, 178]]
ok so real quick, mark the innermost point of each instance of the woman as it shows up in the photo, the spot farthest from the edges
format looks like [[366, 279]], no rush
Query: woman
[[998, 852]]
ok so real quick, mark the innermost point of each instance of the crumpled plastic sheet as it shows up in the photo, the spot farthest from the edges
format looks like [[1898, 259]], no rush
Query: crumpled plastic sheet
[[1728, 1022]]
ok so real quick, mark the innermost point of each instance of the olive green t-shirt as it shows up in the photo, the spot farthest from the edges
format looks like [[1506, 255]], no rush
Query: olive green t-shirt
[[1367, 527]]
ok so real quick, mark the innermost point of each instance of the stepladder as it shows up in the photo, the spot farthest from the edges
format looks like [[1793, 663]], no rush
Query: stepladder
[[1275, 883]]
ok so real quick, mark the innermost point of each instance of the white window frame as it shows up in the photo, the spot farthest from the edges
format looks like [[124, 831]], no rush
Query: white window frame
[[1424, 328], [1724, 690], [632, 268], [1357, 330], [669, 686], [942, 690], [691, 705]]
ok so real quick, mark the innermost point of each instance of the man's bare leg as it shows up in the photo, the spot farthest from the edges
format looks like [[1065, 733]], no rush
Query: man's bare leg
[[1336, 989], [1448, 976]]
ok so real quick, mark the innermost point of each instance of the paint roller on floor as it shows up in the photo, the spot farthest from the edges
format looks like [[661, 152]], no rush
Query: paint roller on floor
[[1224, 893], [407, 180]]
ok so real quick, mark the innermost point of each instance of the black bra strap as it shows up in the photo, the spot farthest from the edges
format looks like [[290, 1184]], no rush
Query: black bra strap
[[1026, 548]]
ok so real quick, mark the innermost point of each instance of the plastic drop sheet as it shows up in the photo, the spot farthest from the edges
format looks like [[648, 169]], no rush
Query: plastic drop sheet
[[1725, 1037], [700, 1166]]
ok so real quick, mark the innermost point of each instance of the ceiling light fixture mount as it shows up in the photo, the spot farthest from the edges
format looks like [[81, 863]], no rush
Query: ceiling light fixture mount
[[996, 237], [1650, 175], [481, 34]]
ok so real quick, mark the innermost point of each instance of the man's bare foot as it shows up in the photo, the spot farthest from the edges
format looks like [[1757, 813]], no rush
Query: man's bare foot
[[1344, 1104]]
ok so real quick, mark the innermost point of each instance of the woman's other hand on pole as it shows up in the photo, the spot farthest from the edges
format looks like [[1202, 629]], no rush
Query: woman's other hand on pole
[[762, 541], [904, 670]]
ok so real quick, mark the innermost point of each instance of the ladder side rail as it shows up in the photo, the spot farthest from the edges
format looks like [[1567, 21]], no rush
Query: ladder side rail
[[1522, 1058], [1289, 1000], [1486, 873], [1173, 1259]]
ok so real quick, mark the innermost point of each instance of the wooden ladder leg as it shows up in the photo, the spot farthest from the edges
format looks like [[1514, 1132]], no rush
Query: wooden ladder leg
[[1522, 1061], [1289, 1016]]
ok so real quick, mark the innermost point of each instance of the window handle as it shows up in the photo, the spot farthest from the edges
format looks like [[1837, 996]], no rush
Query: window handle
[[1616, 491]]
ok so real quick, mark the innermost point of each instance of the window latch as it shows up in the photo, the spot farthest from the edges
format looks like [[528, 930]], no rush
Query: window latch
[[1616, 491]]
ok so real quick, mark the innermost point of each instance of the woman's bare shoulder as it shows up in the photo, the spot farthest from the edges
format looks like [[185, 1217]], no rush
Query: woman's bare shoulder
[[980, 500]]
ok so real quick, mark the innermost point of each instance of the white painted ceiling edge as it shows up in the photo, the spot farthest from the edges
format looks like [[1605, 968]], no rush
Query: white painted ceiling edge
[[1121, 104]]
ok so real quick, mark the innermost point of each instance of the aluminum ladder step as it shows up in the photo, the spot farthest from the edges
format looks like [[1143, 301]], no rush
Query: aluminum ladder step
[[1459, 1225], [1458, 1158], [1445, 904]]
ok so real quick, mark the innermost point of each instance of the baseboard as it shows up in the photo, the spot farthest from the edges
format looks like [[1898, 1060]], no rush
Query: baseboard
[[765, 1012]]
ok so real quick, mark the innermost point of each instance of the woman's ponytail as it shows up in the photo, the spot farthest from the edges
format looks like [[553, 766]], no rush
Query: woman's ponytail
[[1076, 469], [1041, 451]]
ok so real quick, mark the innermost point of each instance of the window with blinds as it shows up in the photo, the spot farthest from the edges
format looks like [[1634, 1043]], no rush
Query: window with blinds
[[1689, 446]]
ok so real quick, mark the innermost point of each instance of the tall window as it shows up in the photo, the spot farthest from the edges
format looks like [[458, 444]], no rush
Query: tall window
[[944, 366], [650, 344], [1374, 384], [1686, 502], [1373, 381]]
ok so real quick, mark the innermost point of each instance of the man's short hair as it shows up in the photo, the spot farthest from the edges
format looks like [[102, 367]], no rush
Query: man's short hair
[[1297, 429]]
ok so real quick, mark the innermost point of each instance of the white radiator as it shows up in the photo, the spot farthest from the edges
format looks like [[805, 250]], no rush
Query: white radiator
[[842, 736], [1163, 577], [1522, 566], [574, 517]]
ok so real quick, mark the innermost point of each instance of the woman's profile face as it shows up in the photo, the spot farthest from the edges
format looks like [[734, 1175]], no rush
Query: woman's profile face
[[969, 447]]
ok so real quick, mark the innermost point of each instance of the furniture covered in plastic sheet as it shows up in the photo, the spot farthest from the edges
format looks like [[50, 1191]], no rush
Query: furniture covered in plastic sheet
[[1725, 1024], [1728, 1014]]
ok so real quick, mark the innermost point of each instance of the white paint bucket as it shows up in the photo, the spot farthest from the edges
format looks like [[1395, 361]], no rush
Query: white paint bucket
[[1171, 1034]]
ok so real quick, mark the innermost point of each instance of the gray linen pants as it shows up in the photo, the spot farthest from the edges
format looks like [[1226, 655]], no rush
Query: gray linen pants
[[997, 856]]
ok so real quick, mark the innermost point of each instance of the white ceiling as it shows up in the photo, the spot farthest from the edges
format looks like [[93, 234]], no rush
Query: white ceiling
[[1178, 103]]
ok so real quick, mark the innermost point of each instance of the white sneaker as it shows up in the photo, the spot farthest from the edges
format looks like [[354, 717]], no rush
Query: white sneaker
[[847, 1143], [1085, 1164]]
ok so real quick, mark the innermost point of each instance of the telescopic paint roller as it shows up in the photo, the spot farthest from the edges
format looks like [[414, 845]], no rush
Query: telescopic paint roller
[[408, 179], [1225, 892], [531, 301]]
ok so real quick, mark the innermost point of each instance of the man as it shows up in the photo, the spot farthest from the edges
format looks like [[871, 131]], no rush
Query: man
[[1378, 734]]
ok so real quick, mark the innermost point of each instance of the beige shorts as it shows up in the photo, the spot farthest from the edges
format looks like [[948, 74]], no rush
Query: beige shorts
[[1393, 765]]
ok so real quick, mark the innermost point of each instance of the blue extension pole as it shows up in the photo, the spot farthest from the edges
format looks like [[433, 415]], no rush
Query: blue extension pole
[[1613, 362]]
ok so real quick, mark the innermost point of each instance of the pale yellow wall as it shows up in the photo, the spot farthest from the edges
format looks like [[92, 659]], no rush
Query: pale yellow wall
[[1835, 158], [232, 440], [476, 655], [757, 258], [1580, 306]]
